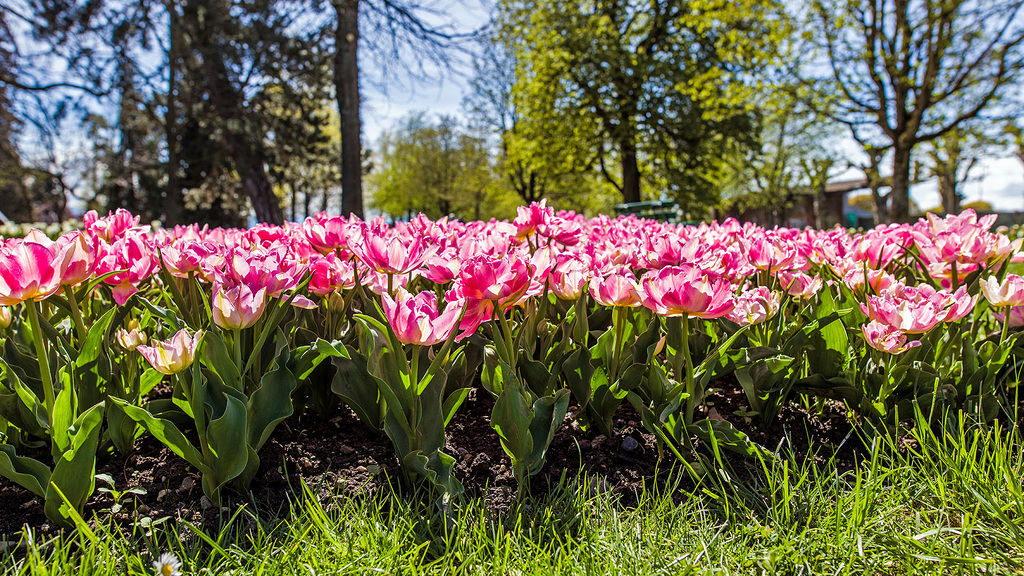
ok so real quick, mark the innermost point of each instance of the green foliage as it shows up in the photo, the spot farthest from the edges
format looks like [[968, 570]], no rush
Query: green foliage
[[626, 90], [438, 169]]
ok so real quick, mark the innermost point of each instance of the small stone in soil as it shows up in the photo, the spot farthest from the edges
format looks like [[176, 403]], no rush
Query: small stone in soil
[[346, 449], [162, 495], [205, 503], [629, 444], [187, 484]]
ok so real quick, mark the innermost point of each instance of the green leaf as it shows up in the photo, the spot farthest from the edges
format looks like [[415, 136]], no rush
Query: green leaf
[[92, 346], [226, 438], [723, 433], [149, 379], [26, 472], [217, 358], [511, 418], [166, 432], [354, 384], [548, 413], [578, 373], [452, 403], [270, 403], [27, 396], [73, 473]]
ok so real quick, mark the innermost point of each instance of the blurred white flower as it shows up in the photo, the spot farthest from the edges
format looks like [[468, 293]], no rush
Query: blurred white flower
[[167, 565]]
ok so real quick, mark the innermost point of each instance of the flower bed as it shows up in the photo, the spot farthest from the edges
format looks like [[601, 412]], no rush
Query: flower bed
[[205, 341]]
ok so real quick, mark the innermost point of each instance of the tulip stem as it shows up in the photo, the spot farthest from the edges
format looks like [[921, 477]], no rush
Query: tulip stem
[[691, 402], [618, 325], [512, 352], [41, 356], [236, 343], [76, 314], [1006, 327]]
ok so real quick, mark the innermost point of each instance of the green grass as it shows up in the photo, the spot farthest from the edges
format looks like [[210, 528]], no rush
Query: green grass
[[949, 504]]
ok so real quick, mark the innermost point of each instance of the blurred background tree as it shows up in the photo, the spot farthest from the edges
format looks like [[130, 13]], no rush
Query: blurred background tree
[[221, 112]]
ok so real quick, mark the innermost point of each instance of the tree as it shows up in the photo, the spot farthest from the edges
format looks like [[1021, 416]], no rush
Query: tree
[[396, 33], [438, 169], [536, 167], [793, 156], [903, 72], [637, 91], [952, 156]]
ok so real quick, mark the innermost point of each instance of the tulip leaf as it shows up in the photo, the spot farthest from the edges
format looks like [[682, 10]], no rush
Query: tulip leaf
[[26, 472], [217, 358], [122, 429], [723, 433], [578, 373], [225, 436], [548, 413], [92, 346], [354, 384], [452, 403], [64, 407], [149, 379], [307, 360], [166, 432], [270, 403], [437, 468], [74, 472], [164, 314], [511, 418], [27, 397]]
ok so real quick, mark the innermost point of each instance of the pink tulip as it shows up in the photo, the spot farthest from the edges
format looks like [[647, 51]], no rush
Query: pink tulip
[[237, 307], [570, 277], [1016, 319], [502, 281], [529, 218], [115, 225], [771, 253], [799, 284], [391, 253], [132, 258], [329, 274], [328, 234], [687, 290], [30, 270], [442, 267], [174, 355], [755, 306], [415, 319], [81, 258], [886, 338], [878, 280], [616, 289], [1008, 293], [188, 257]]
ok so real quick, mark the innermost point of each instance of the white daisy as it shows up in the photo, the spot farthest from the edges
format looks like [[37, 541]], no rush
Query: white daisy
[[167, 565]]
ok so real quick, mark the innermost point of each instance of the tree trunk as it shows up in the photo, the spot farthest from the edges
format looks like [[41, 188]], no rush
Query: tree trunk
[[630, 171], [899, 209], [245, 149], [948, 191], [346, 85], [172, 196]]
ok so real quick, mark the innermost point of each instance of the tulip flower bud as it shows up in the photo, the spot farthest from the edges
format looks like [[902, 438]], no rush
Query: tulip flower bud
[[239, 307], [5, 317], [131, 338], [174, 355]]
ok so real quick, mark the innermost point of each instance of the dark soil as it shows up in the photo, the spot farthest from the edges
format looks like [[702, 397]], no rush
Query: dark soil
[[341, 455]]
